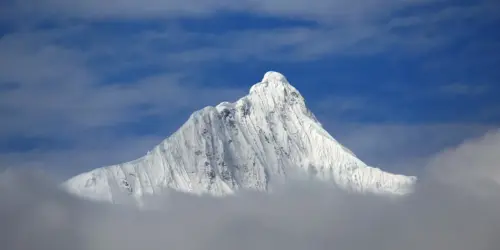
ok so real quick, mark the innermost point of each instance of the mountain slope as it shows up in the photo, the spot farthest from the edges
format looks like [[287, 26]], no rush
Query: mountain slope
[[266, 137]]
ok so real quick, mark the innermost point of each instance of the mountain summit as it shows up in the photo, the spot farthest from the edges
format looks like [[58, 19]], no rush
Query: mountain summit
[[266, 137]]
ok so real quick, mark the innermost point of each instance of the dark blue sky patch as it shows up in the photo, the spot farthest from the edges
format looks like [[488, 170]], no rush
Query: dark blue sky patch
[[148, 125], [434, 7], [6, 28], [20, 143], [118, 27], [131, 74], [5, 87], [237, 21]]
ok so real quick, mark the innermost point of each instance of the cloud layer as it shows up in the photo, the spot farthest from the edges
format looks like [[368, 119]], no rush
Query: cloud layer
[[439, 215]]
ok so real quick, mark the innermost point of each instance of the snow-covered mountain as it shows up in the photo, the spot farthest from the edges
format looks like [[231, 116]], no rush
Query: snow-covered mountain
[[266, 137]]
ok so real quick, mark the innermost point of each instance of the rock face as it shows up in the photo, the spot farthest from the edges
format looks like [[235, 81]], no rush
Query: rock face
[[266, 137]]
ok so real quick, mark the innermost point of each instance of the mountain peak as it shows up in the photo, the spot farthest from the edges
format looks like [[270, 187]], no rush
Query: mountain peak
[[273, 76], [276, 85], [263, 139]]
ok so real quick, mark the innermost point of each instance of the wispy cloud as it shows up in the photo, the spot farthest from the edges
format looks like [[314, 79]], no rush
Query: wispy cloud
[[402, 148], [56, 87], [342, 26], [464, 89], [333, 10], [52, 92], [487, 9]]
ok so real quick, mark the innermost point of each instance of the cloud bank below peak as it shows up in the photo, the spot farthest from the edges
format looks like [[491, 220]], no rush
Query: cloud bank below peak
[[438, 215]]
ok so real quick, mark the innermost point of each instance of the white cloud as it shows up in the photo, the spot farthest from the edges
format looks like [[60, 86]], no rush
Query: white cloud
[[401, 148], [476, 161], [437, 216]]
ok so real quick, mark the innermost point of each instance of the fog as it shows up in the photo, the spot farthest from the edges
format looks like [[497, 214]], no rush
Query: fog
[[455, 206]]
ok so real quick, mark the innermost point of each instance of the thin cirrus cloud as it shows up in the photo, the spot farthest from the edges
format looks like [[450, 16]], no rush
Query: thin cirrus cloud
[[335, 10], [59, 90], [464, 89], [53, 97]]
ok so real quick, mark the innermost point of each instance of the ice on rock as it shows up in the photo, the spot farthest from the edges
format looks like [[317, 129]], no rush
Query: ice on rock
[[273, 76], [266, 137], [272, 83]]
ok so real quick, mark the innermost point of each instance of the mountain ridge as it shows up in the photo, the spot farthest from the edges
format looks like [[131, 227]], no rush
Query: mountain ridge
[[268, 136]]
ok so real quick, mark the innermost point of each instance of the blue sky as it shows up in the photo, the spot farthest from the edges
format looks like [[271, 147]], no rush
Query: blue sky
[[91, 83]]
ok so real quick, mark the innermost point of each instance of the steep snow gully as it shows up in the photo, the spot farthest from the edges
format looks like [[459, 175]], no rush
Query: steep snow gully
[[266, 137]]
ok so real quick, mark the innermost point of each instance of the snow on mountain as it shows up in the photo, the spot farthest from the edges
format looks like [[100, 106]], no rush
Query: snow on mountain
[[266, 137]]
